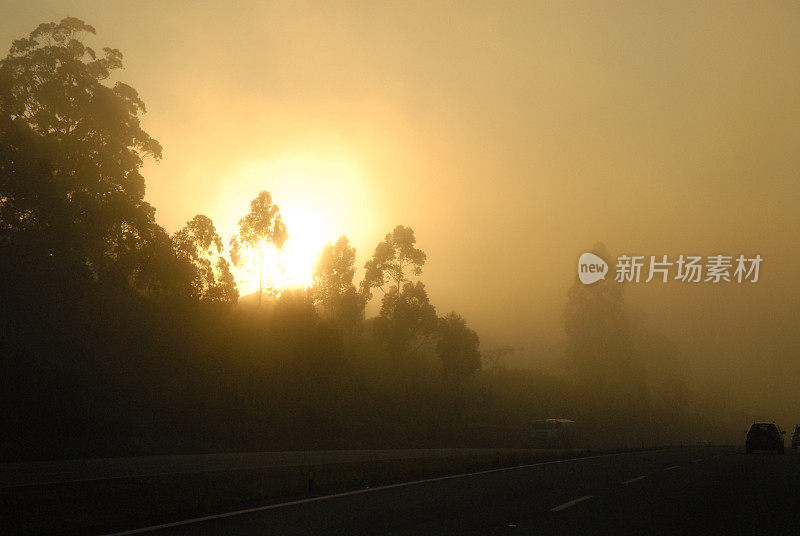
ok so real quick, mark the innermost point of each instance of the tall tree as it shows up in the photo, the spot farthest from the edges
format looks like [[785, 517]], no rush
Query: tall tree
[[89, 146], [395, 260], [198, 243], [333, 290], [407, 320], [406, 314], [458, 347], [260, 227], [598, 339]]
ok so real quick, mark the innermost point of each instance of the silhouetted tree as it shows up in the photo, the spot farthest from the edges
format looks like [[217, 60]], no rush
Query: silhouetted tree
[[394, 261], [406, 320], [333, 291], [197, 242], [224, 289], [458, 346], [598, 342], [51, 84], [406, 315], [261, 226], [38, 235]]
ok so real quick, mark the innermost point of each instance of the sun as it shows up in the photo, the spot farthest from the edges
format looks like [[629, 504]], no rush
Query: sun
[[319, 198], [308, 232]]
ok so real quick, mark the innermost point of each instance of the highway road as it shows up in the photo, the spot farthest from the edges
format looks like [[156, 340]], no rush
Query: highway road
[[708, 490], [85, 470]]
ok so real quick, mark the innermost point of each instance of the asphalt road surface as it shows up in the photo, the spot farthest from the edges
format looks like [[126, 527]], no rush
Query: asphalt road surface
[[61, 471], [709, 490]]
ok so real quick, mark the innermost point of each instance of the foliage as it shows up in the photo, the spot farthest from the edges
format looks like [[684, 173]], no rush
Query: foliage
[[333, 290], [196, 243], [458, 346], [78, 184], [406, 320], [395, 259], [260, 227]]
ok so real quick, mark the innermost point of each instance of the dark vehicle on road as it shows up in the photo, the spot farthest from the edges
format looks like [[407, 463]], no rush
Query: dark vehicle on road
[[796, 436], [764, 436]]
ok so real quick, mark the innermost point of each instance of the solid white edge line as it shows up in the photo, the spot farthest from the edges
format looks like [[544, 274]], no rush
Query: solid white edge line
[[571, 503], [360, 491], [632, 480]]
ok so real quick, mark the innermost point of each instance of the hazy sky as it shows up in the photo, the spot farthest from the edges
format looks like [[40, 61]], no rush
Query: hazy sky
[[511, 137]]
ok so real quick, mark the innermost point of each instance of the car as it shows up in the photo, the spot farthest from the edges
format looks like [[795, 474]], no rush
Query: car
[[796, 436], [764, 436]]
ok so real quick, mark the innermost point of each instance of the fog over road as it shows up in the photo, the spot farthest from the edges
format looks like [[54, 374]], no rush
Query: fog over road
[[716, 490]]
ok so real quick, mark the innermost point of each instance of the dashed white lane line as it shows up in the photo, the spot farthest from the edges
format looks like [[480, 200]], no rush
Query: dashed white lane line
[[357, 492], [698, 460], [571, 503], [672, 468], [632, 480]]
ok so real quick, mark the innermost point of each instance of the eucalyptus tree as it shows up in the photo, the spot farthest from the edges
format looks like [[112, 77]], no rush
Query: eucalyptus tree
[[406, 315], [260, 227], [333, 291], [73, 147], [198, 244]]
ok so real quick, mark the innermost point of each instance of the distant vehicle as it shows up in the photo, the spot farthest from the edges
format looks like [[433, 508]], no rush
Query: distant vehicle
[[552, 432], [764, 436], [796, 436]]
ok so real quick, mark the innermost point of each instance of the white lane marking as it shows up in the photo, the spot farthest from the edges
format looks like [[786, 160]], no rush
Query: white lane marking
[[571, 503], [632, 480], [672, 468], [698, 460], [358, 492]]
